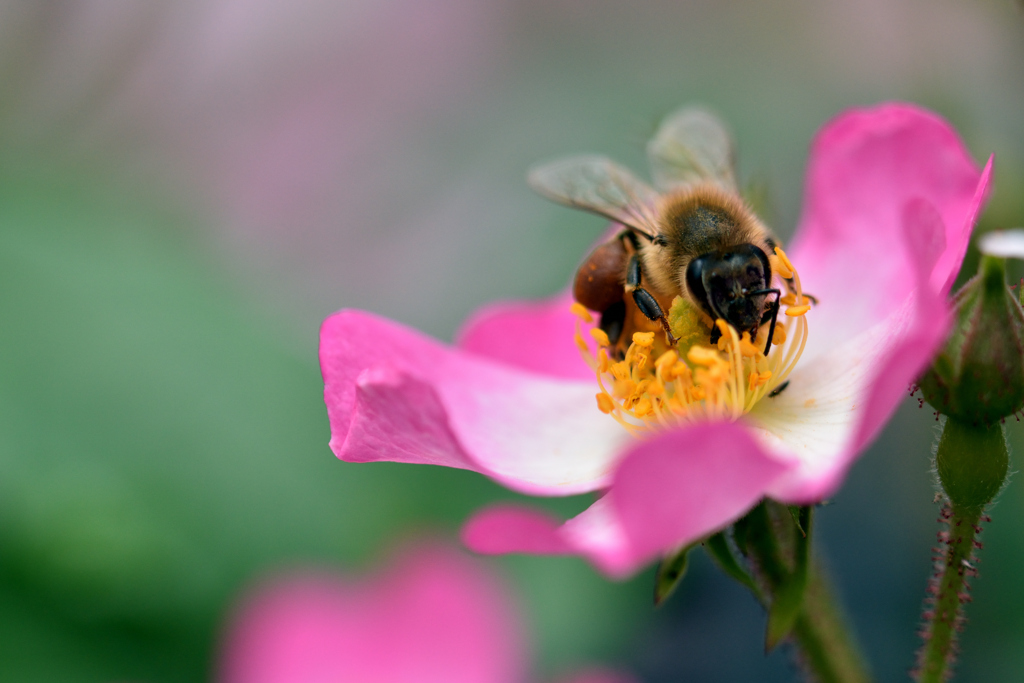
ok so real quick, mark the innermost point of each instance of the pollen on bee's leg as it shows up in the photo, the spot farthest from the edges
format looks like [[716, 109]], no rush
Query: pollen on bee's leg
[[581, 312], [605, 403]]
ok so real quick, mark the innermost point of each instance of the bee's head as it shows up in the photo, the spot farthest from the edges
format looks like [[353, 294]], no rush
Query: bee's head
[[730, 284]]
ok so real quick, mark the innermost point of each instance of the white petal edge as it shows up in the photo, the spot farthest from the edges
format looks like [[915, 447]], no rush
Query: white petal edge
[[1003, 243]]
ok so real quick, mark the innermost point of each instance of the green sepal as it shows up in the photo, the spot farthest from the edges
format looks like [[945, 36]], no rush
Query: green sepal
[[718, 548], [671, 571], [788, 595]]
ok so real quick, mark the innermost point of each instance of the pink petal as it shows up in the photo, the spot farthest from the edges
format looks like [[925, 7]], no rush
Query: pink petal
[[669, 490], [892, 200], [865, 168], [432, 617], [502, 529], [837, 402], [683, 485], [532, 335], [395, 394]]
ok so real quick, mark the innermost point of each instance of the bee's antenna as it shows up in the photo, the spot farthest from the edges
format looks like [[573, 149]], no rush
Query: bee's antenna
[[775, 314]]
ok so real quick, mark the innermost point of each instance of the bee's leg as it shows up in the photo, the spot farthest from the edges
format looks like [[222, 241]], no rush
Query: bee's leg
[[772, 313], [644, 300]]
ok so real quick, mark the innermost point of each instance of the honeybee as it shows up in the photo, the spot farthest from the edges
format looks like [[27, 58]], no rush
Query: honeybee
[[693, 235]]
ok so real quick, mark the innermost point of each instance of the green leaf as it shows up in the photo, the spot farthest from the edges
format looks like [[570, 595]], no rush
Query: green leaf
[[796, 512], [670, 572], [788, 598], [718, 548]]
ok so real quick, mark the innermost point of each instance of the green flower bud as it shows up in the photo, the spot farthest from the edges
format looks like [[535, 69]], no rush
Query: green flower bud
[[971, 462], [978, 376]]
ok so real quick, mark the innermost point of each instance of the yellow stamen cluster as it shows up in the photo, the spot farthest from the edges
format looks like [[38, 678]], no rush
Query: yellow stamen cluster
[[651, 390]]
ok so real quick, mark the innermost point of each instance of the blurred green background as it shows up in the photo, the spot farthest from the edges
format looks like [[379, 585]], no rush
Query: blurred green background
[[187, 189]]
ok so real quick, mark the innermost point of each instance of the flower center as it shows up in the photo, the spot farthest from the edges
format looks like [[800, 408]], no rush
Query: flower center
[[654, 387]]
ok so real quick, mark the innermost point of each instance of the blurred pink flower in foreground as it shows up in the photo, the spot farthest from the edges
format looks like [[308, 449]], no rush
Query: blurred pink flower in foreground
[[432, 616], [891, 199]]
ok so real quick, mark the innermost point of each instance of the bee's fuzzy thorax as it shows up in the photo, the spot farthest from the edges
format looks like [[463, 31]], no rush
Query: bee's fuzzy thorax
[[697, 220]]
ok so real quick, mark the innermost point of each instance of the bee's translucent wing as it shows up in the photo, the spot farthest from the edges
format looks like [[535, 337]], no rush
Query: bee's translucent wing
[[692, 145], [598, 184]]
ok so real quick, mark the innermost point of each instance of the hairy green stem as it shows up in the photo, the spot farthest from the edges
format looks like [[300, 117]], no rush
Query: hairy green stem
[[948, 593], [972, 461]]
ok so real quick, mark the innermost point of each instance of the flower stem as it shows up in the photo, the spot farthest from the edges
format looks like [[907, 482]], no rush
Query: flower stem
[[830, 653], [948, 590], [771, 540]]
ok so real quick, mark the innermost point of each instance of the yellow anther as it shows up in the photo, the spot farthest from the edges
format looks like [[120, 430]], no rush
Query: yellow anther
[[620, 370], [747, 348], [681, 371], [702, 355], [790, 300], [581, 312], [623, 388], [797, 311], [600, 336], [656, 388], [780, 334], [643, 338], [765, 376], [643, 407], [578, 338], [603, 364], [664, 365], [723, 327], [640, 359], [785, 261], [779, 268], [605, 403]]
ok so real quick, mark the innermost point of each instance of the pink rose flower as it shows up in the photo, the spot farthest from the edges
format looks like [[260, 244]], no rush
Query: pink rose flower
[[891, 198], [431, 616]]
